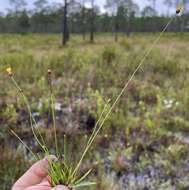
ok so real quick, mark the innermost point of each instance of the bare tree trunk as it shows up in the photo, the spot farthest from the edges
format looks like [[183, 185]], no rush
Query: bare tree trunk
[[130, 21], [116, 30], [83, 20], [92, 22], [84, 36], [65, 36], [116, 27]]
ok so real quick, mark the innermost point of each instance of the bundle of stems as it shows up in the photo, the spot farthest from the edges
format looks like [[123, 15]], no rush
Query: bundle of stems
[[61, 171]]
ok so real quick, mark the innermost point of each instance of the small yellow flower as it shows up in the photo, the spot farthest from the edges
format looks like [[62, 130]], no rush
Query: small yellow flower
[[9, 71], [179, 9]]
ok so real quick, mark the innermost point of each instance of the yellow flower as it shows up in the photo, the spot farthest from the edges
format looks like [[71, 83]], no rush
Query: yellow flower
[[179, 9], [9, 71]]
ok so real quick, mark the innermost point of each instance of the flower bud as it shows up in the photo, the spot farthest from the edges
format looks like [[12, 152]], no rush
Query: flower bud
[[9, 71]]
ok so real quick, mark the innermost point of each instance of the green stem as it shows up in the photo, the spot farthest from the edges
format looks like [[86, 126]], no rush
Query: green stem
[[65, 150], [98, 121], [25, 145], [120, 95], [54, 123], [32, 119]]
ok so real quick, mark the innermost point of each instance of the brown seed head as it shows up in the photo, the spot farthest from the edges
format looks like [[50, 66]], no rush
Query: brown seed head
[[49, 71], [179, 9]]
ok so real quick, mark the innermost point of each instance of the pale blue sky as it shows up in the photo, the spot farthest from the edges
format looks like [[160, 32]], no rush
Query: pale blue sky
[[4, 4]]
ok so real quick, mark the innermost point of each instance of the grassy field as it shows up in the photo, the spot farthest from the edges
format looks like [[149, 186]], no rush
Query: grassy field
[[143, 145]]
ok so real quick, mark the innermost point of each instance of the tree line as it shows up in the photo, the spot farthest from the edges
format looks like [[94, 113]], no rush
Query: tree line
[[85, 17]]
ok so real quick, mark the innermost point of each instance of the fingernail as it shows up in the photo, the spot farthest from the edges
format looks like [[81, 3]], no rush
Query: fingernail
[[51, 158], [59, 188]]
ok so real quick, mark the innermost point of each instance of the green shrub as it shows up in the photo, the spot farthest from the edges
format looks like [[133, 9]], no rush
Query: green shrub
[[109, 54]]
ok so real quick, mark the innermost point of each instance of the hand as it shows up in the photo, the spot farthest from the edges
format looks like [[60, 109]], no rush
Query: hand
[[36, 178]]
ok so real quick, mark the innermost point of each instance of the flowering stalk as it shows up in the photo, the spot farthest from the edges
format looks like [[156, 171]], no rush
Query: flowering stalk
[[68, 175], [32, 119], [98, 121], [53, 109], [92, 138]]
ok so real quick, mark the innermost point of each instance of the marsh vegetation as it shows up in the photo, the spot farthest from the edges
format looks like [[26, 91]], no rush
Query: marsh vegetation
[[143, 145]]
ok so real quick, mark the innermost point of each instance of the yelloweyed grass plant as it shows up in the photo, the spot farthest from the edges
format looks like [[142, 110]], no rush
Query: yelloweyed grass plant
[[62, 172]]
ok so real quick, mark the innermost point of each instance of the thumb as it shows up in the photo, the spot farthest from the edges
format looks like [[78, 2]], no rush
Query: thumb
[[35, 174]]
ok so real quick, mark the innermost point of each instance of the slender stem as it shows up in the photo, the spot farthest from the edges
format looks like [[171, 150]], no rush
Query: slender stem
[[121, 93], [90, 139], [54, 123], [65, 150], [25, 145], [53, 113], [134, 73], [98, 121], [32, 119]]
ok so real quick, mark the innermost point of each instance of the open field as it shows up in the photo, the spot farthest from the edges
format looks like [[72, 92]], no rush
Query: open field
[[143, 145]]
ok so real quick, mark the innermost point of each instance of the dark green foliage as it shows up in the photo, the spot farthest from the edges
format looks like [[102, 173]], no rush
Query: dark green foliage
[[47, 18]]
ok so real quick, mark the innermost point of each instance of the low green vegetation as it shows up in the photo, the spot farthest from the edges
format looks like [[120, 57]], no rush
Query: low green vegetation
[[143, 144]]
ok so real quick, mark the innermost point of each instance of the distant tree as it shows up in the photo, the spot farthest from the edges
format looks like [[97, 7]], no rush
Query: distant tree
[[71, 7], [18, 16], [83, 18], [148, 11], [18, 5], [65, 36], [120, 17], [132, 10], [105, 21], [78, 13], [169, 4], [40, 5], [92, 21], [23, 22], [41, 16], [122, 10], [113, 7], [153, 4]]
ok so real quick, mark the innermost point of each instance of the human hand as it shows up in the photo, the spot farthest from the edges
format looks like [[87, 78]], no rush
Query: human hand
[[36, 178]]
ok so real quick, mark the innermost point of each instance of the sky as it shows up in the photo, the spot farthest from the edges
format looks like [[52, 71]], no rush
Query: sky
[[4, 4]]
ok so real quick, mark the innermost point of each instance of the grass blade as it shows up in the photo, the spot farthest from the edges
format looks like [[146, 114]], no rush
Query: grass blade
[[83, 177]]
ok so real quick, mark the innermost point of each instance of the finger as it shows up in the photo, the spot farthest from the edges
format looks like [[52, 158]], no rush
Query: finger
[[60, 187], [34, 175], [42, 186], [38, 188], [48, 178]]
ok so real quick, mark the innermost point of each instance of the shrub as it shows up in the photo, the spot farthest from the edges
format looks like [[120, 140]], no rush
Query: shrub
[[109, 54]]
